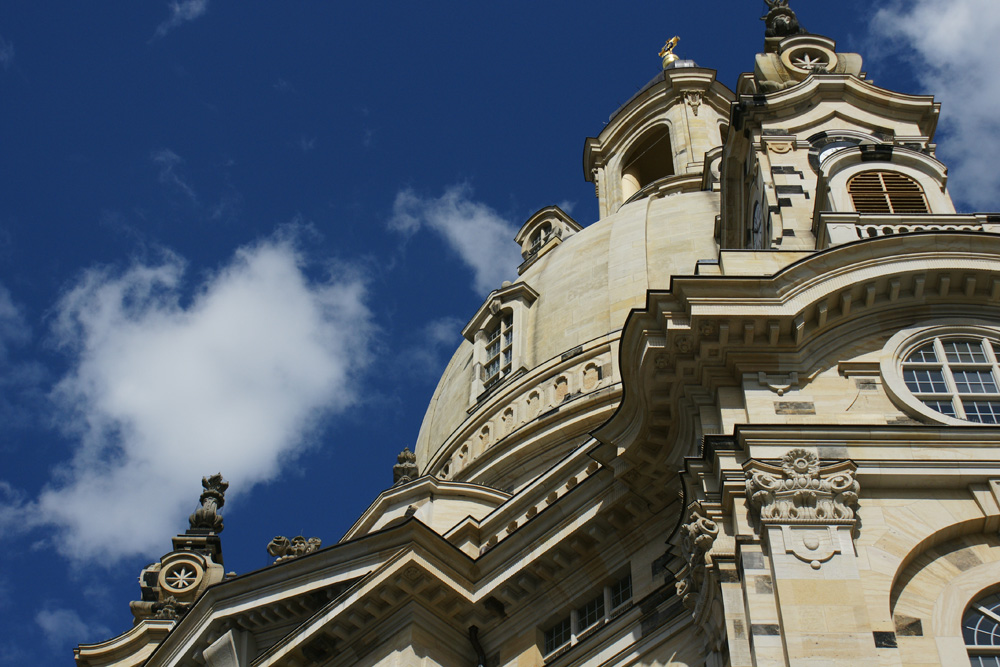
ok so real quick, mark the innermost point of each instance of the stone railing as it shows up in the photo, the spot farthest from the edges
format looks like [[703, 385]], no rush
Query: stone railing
[[508, 414], [839, 228]]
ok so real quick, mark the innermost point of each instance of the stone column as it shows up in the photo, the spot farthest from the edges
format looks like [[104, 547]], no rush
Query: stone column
[[805, 514]]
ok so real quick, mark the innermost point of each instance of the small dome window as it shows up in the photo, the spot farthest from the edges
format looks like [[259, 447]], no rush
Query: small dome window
[[886, 192], [539, 237], [499, 350]]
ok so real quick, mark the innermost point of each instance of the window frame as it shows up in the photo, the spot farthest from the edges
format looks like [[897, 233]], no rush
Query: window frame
[[840, 166], [499, 336], [897, 366], [505, 312], [891, 196], [600, 599], [991, 613]]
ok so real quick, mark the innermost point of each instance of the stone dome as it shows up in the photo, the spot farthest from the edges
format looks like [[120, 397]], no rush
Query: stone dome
[[539, 367]]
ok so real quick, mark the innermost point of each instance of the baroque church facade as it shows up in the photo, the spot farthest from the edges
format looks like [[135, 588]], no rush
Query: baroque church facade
[[745, 418]]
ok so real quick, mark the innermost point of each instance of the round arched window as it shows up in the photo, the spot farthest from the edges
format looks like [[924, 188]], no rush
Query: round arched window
[[981, 630], [956, 376], [886, 192]]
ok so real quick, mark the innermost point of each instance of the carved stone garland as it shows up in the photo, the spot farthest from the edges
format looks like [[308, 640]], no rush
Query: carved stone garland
[[808, 502]]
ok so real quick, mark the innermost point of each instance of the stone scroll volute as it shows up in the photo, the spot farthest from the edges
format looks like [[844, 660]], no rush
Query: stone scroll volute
[[697, 584]]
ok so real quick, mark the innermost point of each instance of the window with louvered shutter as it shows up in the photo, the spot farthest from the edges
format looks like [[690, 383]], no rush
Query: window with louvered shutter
[[886, 192]]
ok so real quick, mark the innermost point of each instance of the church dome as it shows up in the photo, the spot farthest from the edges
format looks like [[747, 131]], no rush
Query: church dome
[[538, 369]]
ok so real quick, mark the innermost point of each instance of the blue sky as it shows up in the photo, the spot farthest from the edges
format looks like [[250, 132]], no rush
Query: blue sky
[[245, 237]]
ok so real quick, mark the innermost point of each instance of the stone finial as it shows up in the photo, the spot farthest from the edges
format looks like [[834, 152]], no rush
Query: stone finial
[[781, 20], [284, 549], [405, 469], [213, 497]]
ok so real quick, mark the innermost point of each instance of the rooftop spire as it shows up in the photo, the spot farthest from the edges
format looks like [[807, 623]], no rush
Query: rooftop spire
[[667, 52]]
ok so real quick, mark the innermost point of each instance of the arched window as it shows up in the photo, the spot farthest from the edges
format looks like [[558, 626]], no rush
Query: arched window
[[651, 159], [956, 377], [886, 192], [981, 630]]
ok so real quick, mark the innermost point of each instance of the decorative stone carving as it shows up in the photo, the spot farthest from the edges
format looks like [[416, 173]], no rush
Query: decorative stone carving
[[170, 609], [808, 508], [781, 21], [171, 585], [405, 469], [697, 537], [284, 549], [213, 497], [799, 493], [697, 586], [180, 574], [693, 99]]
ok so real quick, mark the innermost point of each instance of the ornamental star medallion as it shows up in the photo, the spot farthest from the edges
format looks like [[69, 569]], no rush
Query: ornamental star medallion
[[809, 61], [181, 578]]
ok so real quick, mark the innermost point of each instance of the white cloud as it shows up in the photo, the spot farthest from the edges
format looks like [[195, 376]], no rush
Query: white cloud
[[181, 11], [168, 163], [6, 53], [478, 234], [164, 389], [14, 330], [951, 46], [64, 626]]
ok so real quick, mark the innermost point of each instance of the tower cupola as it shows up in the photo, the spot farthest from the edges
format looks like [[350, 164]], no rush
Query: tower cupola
[[657, 141]]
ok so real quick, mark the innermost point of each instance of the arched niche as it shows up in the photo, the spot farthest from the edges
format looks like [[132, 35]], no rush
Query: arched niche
[[649, 159]]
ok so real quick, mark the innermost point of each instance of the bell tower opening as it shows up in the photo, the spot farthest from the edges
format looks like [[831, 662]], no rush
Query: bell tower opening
[[651, 159]]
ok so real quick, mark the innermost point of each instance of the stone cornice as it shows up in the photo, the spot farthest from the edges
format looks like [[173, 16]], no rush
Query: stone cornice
[[126, 645], [279, 588], [707, 330], [787, 103], [368, 578], [663, 91], [421, 488]]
